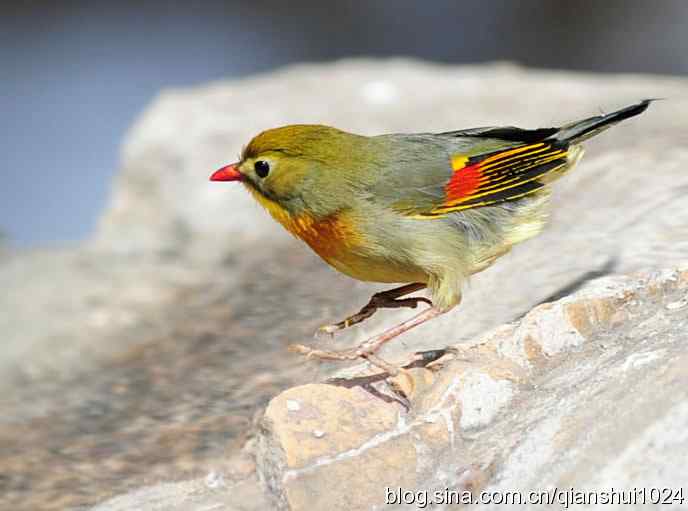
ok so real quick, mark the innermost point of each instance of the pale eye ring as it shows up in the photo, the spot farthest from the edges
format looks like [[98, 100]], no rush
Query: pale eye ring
[[262, 168]]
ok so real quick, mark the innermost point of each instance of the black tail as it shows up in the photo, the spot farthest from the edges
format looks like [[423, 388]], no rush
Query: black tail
[[582, 130]]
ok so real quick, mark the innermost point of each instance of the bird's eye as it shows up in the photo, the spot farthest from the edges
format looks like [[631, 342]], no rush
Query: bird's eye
[[262, 168]]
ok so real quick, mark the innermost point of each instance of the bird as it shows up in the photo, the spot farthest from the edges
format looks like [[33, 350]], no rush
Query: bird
[[425, 210]]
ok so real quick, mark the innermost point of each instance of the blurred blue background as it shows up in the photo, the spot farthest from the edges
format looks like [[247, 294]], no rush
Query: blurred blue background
[[74, 75]]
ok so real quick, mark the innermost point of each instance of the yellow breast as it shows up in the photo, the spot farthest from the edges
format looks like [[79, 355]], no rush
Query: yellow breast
[[336, 239]]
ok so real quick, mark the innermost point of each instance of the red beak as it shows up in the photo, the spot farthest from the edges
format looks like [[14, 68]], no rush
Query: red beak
[[228, 173]]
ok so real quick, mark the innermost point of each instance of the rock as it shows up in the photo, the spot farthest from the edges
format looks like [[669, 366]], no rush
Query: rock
[[143, 354], [231, 487], [194, 494], [587, 392]]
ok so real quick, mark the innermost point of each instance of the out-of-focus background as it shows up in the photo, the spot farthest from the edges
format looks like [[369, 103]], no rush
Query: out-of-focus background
[[76, 74]]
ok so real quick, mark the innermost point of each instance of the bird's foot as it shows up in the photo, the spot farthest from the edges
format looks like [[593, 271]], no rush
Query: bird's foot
[[311, 353], [398, 378], [383, 300], [368, 349]]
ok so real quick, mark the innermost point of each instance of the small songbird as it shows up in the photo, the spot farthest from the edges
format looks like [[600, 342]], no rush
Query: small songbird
[[424, 210]]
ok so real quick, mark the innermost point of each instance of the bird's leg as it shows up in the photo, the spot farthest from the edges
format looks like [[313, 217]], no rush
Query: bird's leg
[[400, 379], [368, 349], [383, 300]]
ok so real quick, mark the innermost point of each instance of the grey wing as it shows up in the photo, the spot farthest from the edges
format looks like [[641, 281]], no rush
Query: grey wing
[[415, 176]]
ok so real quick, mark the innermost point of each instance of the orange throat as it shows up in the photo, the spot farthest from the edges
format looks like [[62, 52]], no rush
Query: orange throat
[[329, 236]]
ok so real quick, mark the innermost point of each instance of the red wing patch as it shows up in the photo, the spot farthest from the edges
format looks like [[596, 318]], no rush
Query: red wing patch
[[467, 183], [500, 176]]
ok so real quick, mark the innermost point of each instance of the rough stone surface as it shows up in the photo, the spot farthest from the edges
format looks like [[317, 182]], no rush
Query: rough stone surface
[[594, 396], [142, 357], [231, 487]]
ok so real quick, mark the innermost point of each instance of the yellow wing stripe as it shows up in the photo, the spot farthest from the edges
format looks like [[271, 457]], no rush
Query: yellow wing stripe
[[460, 160], [500, 187], [504, 184], [542, 158], [442, 211], [503, 176], [510, 152], [520, 157]]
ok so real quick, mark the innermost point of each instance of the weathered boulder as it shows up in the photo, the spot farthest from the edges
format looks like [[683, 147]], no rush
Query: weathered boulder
[[590, 393]]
